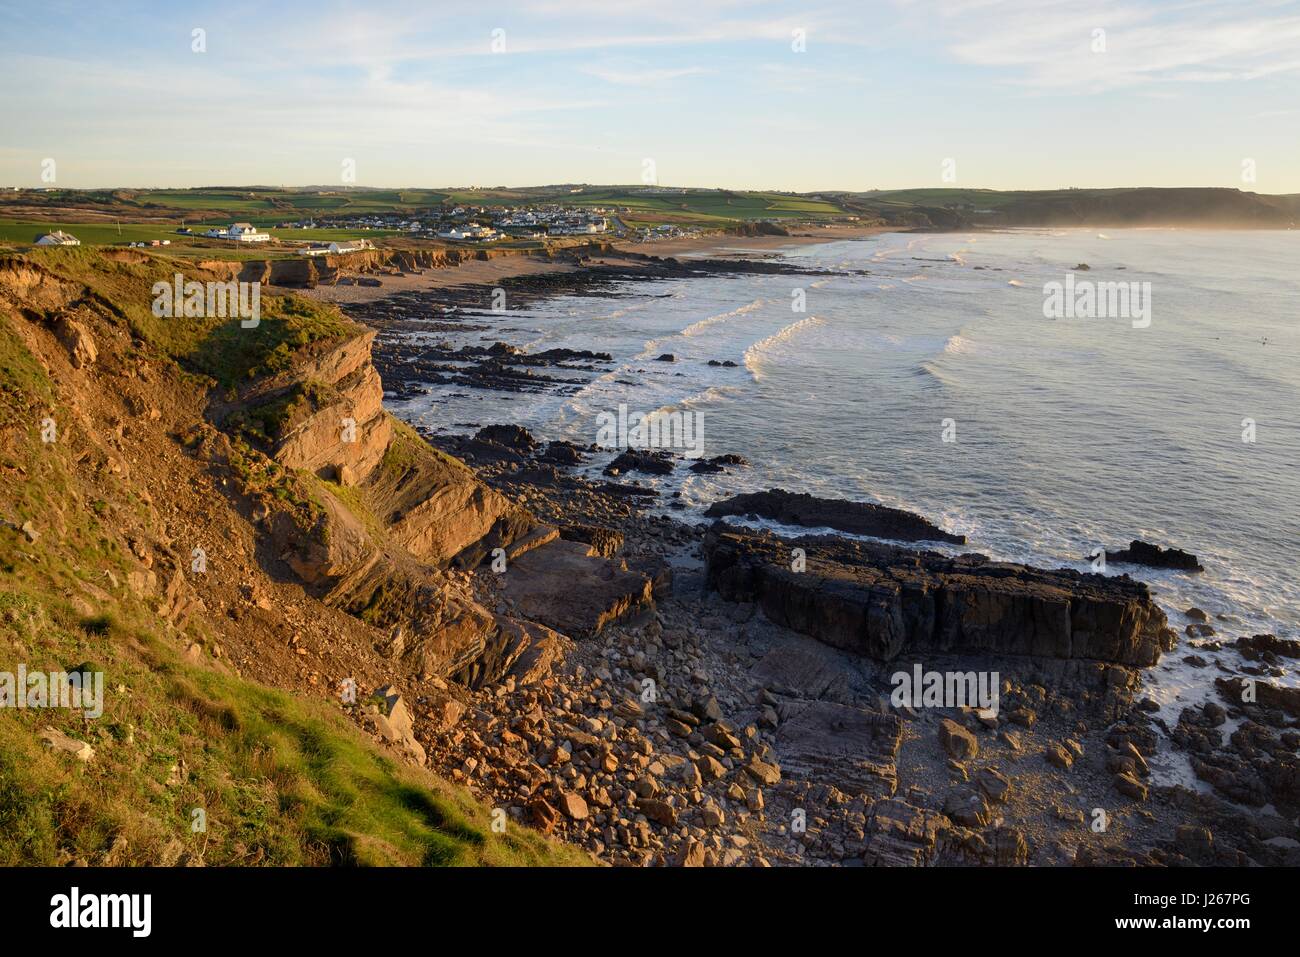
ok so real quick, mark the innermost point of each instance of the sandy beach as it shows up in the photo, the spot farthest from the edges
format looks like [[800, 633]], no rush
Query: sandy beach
[[730, 245], [491, 271]]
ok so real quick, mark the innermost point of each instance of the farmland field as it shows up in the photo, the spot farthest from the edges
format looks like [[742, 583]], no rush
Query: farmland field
[[99, 234]]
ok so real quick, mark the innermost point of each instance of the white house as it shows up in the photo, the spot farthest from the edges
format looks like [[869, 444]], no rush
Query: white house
[[58, 238], [351, 246], [482, 233], [246, 233], [239, 232]]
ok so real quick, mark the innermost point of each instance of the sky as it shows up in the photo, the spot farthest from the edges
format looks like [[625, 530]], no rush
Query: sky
[[827, 94]]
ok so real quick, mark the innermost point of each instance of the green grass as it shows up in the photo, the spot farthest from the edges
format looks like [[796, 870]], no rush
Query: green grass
[[90, 234], [214, 346], [25, 233], [280, 780], [267, 206]]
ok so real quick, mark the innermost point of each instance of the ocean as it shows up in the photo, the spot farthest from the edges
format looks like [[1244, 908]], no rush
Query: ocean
[[1178, 423]]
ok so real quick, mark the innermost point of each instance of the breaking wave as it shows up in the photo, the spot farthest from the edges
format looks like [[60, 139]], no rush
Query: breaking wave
[[755, 353]]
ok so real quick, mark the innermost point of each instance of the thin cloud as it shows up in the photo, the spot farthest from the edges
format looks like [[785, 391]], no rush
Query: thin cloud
[[643, 77], [1068, 47]]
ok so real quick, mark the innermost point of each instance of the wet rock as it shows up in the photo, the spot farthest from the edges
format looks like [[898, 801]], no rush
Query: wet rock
[[562, 453], [631, 460], [879, 601], [718, 464], [860, 518], [1153, 556], [1264, 647]]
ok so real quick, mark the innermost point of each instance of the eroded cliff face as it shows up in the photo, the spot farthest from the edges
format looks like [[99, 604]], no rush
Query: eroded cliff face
[[334, 494], [304, 271]]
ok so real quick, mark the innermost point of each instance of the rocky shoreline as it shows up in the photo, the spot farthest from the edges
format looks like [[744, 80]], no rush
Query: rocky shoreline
[[702, 701], [409, 367], [763, 744]]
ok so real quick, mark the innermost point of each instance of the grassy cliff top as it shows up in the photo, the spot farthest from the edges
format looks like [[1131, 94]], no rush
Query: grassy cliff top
[[220, 347]]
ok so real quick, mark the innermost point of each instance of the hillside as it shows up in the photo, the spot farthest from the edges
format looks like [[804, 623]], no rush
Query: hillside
[[110, 216], [177, 513], [966, 208]]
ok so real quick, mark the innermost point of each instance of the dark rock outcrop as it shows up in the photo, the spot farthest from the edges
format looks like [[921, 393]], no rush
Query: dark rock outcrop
[[881, 601], [630, 460], [717, 463], [514, 437], [857, 518], [1153, 556]]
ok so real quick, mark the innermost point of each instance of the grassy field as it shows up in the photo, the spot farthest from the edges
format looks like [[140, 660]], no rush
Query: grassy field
[[91, 234], [100, 234], [266, 206]]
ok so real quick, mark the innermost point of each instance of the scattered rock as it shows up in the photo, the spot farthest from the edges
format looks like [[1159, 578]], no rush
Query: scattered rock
[[957, 741], [57, 740]]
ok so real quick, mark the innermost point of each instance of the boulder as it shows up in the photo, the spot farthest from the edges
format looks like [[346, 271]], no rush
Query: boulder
[[1059, 756], [661, 812], [606, 542], [573, 805], [77, 340], [968, 808], [566, 587], [393, 718], [852, 748], [58, 741], [957, 741], [514, 437]]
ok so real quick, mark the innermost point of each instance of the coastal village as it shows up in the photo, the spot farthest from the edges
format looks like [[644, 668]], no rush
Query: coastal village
[[476, 225]]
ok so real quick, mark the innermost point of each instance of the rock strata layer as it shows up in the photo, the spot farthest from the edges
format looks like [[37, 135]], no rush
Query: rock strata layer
[[882, 601]]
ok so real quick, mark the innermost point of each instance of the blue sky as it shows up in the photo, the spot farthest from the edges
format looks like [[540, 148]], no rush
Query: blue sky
[[1018, 93]]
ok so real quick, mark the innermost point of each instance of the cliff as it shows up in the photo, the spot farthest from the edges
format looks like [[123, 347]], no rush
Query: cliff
[[184, 506], [306, 271]]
